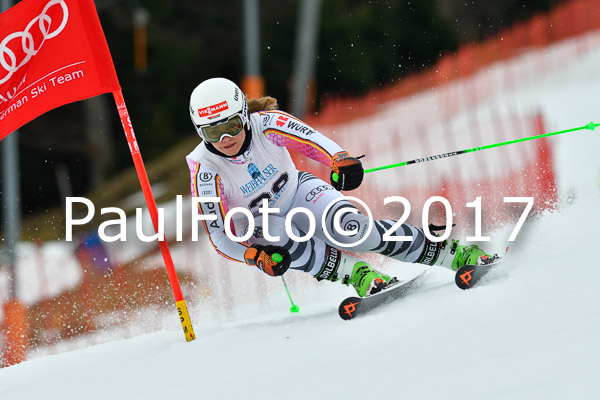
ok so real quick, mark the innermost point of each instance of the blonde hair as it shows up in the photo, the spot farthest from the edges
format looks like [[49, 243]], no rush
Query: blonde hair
[[265, 103]]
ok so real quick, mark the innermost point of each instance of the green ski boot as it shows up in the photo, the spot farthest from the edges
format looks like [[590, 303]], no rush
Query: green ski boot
[[469, 255], [350, 271], [366, 280], [450, 254]]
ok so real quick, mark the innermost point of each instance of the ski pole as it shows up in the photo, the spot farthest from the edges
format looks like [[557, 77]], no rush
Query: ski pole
[[294, 307], [278, 258], [591, 126]]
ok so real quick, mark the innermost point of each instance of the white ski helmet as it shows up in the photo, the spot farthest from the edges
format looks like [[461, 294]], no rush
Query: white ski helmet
[[214, 102]]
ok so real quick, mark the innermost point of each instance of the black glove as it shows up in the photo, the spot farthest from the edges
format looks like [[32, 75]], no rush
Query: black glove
[[272, 260], [348, 170]]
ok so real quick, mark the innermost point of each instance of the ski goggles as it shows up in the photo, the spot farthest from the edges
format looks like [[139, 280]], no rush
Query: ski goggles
[[215, 133]]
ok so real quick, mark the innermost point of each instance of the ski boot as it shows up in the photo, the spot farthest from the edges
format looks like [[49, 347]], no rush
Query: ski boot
[[340, 266], [366, 280], [452, 255], [470, 255]]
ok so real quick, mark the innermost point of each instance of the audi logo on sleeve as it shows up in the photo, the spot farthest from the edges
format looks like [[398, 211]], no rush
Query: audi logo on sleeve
[[319, 189]]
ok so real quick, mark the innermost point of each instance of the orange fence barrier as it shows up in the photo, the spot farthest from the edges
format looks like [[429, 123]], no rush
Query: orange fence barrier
[[15, 331], [524, 170], [565, 21]]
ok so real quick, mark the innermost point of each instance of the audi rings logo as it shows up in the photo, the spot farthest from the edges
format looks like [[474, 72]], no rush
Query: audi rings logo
[[311, 195], [37, 31]]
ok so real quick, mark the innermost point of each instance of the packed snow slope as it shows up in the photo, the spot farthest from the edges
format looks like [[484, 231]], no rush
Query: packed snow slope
[[530, 331]]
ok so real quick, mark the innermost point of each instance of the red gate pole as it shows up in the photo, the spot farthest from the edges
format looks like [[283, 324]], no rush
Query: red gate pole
[[164, 248]]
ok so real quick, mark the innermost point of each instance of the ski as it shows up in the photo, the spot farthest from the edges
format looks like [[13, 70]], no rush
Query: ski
[[354, 306], [468, 275]]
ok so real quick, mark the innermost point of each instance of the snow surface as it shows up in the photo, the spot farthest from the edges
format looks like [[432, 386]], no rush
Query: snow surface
[[532, 331]]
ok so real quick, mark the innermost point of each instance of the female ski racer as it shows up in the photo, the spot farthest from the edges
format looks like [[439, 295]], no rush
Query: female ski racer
[[244, 161]]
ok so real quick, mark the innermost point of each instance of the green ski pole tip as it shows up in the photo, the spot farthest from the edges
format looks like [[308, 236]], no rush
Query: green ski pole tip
[[591, 126], [294, 308], [277, 257], [335, 177]]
